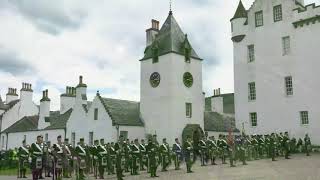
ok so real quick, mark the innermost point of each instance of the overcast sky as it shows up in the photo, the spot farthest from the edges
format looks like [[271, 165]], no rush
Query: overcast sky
[[49, 43]]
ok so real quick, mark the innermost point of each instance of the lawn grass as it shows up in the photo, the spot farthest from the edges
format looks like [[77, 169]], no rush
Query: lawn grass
[[11, 172]]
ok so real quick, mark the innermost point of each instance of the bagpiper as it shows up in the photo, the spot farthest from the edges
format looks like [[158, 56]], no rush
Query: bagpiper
[[177, 150], [164, 154], [36, 153], [57, 153], [135, 153], [307, 144], [23, 154], [81, 159], [102, 156], [152, 150], [189, 154], [143, 155]]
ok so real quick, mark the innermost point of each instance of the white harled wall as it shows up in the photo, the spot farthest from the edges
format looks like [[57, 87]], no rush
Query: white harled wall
[[163, 108], [276, 111]]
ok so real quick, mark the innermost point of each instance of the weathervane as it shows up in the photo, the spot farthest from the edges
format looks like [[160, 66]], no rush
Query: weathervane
[[170, 3]]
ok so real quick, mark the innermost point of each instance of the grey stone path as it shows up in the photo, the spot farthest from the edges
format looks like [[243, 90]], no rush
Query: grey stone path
[[299, 167]]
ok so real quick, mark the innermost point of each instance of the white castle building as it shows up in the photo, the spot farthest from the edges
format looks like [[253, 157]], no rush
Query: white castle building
[[172, 103], [276, 64]]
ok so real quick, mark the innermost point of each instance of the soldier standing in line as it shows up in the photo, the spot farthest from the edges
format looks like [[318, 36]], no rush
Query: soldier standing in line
[[307, 144], [135, 153], [81, 154], [57, 153], [143, 155], [164, 151], [67, 159], [231, 150], [36, 153], [189, 153], [223, 147], [203, 151], [102, 158], [243, 150], [94, 155], [272, 144], [127, 155], [112, 159], [23, 154], [299, 145], [286, 145], [120, 159], [152, 150], [48, 159], [177, 150]]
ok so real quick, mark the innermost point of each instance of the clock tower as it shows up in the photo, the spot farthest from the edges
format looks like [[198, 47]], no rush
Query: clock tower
[[171, 82]]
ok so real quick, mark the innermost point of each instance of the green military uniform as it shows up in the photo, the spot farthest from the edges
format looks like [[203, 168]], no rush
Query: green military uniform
[[102, 159], [189, 154], [143, 156], [223, 148], [111, 159], [286, 145], [23, 155], [164, 155], [81, 154], [127, 155], [67, 159], [242, 149], [307, 144], [57, 152], [135, 154], [152, 150], [36, 154], [212, 150], [272, 145], [177, 150], [94, 157], [203, 151], [119, 160]]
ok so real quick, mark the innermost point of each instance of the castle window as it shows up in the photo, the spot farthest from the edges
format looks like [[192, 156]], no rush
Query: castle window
[[188, 110], [304, 117], [285, 45], [277, 13], [259, 18], [253, 119], [90, 138], [252, 91], [251, 53], [96, 114], [289, 86]]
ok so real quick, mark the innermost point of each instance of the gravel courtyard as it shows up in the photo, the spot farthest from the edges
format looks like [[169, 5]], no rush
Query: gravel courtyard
[[299, 167]]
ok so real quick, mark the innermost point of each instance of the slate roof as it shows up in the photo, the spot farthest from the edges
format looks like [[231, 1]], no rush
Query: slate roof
[[241, 12], [58, 121], [228, 103], [216, 122], [122, 112], [30, 123], [170, 39], [8, 106], [2, 106], [87, 106], [27, 123]]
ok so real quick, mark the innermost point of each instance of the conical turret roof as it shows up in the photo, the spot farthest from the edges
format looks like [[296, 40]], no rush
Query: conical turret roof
[[241, 12]]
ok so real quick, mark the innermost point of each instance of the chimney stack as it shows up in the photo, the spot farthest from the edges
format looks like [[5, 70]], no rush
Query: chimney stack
[[81, 92], [26, 92], [67, 99], [152, 32], [11, 95], [44, 110]]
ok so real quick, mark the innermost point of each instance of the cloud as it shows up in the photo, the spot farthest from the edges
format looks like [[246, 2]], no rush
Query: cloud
[[49, 16], [103, 40], [11, 63]]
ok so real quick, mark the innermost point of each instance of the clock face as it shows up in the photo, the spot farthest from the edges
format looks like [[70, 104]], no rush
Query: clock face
[[187, 79], [155, 79]]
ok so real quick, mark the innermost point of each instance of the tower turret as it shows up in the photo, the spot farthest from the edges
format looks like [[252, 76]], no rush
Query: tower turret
[[238, 23]]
